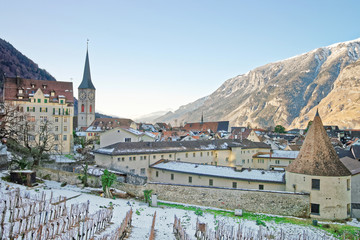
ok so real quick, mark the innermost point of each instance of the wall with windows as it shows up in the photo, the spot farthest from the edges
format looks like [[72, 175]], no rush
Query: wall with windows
[[120, 135], [330, 197], [164, 176], [244, 156], [355, 196], [270, 163], [39, 109]]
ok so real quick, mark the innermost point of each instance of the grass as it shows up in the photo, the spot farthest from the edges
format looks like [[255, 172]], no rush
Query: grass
[[337, 230], [69, 156]]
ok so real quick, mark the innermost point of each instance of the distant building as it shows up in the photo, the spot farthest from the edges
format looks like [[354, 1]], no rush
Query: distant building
[[118, 134], [205, 126]]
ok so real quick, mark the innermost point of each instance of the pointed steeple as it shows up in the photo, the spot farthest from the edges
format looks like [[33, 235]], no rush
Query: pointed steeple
[[86, 81], [202, 117], [317, 156]]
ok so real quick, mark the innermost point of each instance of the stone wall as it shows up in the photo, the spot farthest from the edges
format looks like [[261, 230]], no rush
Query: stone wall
[[272, 202]]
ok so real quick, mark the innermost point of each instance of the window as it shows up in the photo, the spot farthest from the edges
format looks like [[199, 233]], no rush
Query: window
[[144, 157], [65, 128], [39, 100], [186, 155], [45, 100], [348, 184], [234, 184], [141, 157], [123, 159], [56, 128], [56, 137], [52, 93], [348, 209], [127, 139], [31, 118], [65, 119], [172, 176], [157, 173], [56, 147], [129, 158], [243, 161], [65, 137], [260, 160], [190, 179], [201, 154], [261, 187], [118, 159], [82, 108], [227, 159], [315, 208], [31, 138], [154, 156], [132, 170], [134, 158], [43, 118], [142, 171], [315, 184], [162, 156], [212, 154], [208, 153], [90, 108], [194, 154], [211, 182], [169, 155], [61, 101], [277, 161]]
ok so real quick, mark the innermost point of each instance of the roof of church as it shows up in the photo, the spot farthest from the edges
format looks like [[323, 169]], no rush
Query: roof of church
[[86, 81], [317, 156]]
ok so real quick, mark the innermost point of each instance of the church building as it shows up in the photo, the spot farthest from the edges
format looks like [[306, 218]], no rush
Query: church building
[[86, 97]]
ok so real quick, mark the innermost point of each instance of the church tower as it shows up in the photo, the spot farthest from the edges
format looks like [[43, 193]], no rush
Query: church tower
[[86, 97]]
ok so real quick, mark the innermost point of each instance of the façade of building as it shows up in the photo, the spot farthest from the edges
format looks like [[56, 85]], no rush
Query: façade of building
[[43, 101]]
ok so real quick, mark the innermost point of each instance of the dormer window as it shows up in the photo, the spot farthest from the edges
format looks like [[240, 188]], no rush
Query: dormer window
[[52, 93], [32, 85], [44, 86], [21, 91]]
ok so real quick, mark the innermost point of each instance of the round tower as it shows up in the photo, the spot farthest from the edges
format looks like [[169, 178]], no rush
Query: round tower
[[318, 171]]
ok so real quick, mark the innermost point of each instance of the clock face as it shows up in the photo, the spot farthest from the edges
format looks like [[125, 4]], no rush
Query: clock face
[[91, 96], [82, 95]]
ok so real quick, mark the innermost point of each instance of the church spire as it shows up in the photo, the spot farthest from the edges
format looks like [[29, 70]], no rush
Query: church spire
[[86, 81], [202, 117]]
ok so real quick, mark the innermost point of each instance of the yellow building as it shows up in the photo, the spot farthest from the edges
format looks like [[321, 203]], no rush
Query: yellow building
[[275, 160], [44, 101], [318, 170], [135, 157]]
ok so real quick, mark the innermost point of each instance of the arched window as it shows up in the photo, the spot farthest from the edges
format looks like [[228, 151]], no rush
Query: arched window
[[90, 108], [82, 108]]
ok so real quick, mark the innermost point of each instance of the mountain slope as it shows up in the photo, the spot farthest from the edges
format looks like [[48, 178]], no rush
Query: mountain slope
[[13, 63], [276, 93]]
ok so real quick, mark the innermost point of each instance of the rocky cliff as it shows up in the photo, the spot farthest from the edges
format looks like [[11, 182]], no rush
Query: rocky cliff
[[285, 92]]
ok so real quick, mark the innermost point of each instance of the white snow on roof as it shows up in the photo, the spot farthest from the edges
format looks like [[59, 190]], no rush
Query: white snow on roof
[[105, 150], [150, 135], [134, 131], [46, 95], [217, 171], [281, 154], [94, 129], [81, 134], [61, 96]]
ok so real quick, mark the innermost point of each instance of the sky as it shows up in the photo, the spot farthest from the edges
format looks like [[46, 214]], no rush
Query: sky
[[156, 55]]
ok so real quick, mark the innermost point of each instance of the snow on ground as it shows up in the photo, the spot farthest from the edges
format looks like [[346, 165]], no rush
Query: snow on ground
[[143, 215]]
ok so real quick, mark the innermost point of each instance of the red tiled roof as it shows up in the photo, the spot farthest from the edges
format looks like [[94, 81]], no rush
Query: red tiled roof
[[61, 88], [213, 126]]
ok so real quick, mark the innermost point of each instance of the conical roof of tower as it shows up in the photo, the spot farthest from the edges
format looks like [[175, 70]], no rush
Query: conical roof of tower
[[86, 81], [317, 156]]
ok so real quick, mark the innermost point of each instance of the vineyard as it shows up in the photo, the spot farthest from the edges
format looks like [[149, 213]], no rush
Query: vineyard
[[55, 212], [35, 216]]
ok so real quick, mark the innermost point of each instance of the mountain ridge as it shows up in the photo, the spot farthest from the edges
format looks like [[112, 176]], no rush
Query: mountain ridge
[[275, 93]]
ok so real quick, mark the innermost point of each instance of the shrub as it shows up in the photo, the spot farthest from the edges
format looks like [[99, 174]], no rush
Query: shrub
[[260, 223], [199, 212]]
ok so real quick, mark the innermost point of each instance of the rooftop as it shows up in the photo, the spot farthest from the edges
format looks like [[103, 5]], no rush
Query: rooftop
[[122, 148], [222, 172]]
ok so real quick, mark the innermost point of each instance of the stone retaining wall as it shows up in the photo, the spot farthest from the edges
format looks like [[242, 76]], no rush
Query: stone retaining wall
[[272, 202]]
